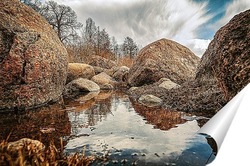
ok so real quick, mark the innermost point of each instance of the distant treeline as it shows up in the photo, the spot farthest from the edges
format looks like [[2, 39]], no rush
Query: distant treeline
[[82, 40]]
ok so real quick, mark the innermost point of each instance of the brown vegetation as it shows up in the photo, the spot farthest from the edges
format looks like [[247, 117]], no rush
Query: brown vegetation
[[161, 118], [28, 155], [125, 61]]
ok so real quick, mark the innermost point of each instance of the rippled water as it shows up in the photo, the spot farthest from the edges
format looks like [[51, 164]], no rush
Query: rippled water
[[121, 133]]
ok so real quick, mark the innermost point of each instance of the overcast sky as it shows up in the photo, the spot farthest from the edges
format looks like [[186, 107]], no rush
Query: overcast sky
[[192, 23]]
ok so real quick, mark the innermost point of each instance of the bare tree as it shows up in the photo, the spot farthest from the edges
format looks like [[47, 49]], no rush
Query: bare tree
[[35, 4], [63, 20]]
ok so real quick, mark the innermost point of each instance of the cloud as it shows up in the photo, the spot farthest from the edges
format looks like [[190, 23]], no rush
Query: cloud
[[231, 10], [144, 20], [198, 46]]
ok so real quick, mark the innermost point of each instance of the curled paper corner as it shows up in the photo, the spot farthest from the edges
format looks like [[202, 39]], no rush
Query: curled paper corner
[[228, 129]]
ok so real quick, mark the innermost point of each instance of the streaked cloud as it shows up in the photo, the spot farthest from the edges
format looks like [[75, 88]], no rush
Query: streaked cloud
[[231, 10], [146, 20]]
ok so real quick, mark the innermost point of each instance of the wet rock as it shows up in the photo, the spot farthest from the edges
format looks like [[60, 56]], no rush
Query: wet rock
[[79, 70], [33, 61], [102, 62], [29, 144], [150, 100], [163, 58], [168, 84], [80, 85], [102, 79], [121, 74], [227, 58]]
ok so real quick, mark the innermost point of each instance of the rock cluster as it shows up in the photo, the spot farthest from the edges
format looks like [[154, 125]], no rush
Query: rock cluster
[[223, 71]]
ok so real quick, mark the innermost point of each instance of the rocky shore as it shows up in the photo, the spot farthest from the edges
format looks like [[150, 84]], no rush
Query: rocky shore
[[34, 69]]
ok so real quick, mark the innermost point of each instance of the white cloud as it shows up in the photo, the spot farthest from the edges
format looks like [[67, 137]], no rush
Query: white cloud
[[198, 46], [232, 9], [144, 20]]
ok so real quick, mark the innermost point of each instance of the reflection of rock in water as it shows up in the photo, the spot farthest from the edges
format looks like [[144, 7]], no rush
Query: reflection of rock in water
[[160, 118], [45, 124], [86, 113]]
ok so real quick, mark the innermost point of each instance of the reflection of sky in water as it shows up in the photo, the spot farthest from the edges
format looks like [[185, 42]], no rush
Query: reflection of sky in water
[[124, 130]]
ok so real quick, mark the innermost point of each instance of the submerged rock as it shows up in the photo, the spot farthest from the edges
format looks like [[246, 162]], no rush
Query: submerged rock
[[33, 61], [79, 70], [150, 100], [163, 58]]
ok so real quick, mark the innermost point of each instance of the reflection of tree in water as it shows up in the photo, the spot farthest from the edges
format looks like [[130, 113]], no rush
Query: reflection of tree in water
[[160, 118], [90, 112]]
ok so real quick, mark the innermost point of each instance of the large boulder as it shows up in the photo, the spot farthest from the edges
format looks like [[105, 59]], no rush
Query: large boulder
[[163, 58], [79, 70], [227, 58], [33, 61], [102, 62]]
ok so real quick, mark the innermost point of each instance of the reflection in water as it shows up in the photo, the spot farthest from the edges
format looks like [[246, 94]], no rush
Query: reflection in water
[[111, 127], [160, 118], [45, 124]]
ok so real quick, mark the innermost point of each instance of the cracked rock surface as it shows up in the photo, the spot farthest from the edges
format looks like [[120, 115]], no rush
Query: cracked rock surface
[[33, 61]]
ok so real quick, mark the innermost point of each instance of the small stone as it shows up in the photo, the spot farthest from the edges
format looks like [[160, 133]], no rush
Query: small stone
[[150, 100], [115, 161], [124, 161]]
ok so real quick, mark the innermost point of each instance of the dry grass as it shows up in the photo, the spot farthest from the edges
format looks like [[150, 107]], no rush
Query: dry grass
[[28, 155], [126, 61]]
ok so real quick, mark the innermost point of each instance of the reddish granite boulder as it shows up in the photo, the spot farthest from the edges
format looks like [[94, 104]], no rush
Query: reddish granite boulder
[[227, 59], [33, 61], [163, 59]]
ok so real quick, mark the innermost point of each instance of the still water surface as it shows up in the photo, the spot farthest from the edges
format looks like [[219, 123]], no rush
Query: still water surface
[[116, 130], [121, 133]]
